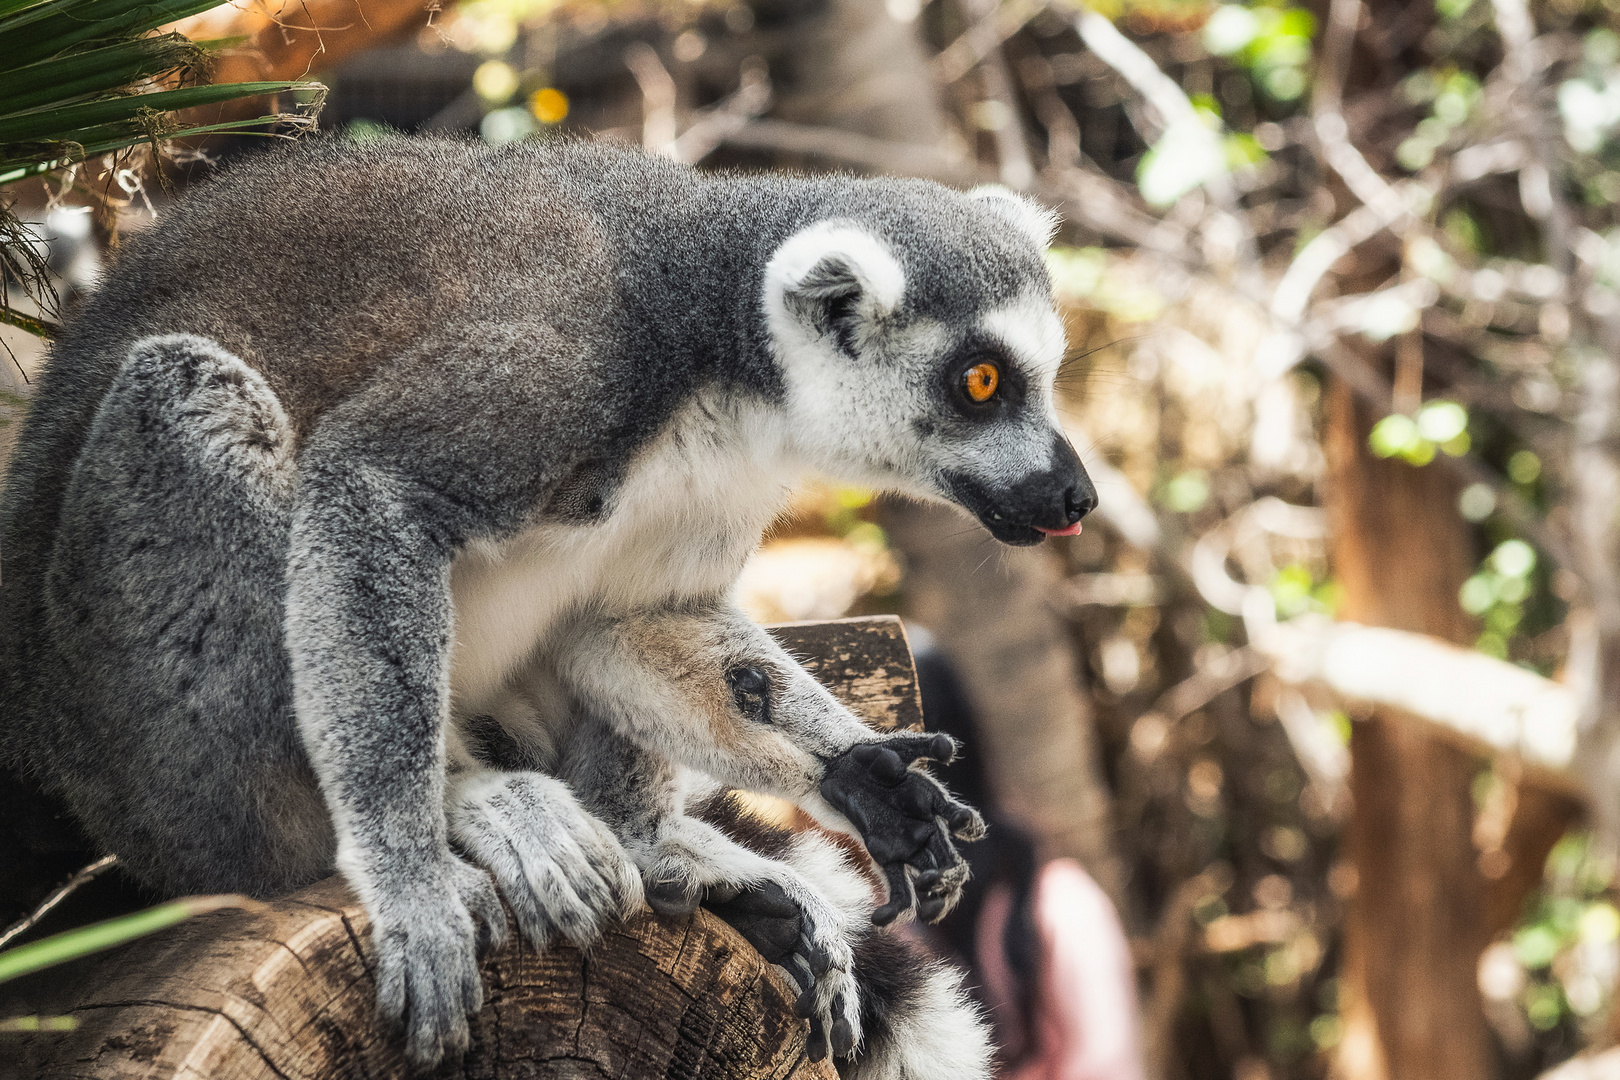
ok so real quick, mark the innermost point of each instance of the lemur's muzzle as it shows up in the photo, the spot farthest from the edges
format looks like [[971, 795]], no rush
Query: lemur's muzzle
[[1038, 505]]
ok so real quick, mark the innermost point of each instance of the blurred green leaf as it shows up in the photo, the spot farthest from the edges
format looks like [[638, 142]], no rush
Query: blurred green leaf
[[72, 944]]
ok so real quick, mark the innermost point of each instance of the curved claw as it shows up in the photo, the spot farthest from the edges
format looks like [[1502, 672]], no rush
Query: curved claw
[[805, 1005]]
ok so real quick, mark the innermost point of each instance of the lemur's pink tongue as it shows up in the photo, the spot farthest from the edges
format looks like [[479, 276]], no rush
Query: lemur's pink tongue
[[1072, 530]]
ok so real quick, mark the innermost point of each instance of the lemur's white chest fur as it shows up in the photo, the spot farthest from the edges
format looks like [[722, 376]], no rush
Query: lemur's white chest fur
[[688, 514]]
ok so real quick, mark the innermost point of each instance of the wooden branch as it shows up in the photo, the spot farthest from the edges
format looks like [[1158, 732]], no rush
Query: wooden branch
[[1493, 706], [287, 993], [866, 663]]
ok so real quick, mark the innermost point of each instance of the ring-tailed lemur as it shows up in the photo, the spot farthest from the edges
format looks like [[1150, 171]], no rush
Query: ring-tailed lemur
[[502, 386], [699, 684]]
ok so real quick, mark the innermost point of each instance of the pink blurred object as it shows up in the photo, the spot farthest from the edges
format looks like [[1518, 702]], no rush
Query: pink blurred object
[[1085, 1023]]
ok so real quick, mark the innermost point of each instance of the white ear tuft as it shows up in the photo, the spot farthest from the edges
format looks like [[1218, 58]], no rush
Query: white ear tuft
[[1035, 220], [831, 259]]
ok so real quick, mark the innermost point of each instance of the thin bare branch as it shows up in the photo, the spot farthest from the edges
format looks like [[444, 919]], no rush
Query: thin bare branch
[[56, 896]]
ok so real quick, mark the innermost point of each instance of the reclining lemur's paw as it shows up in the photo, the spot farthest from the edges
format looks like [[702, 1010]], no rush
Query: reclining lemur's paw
[[906, 818], [562, 870], [428, 933], [814, 952]]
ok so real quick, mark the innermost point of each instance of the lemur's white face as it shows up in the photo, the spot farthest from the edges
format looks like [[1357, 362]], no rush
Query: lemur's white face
[[712, 691], [945, 400]]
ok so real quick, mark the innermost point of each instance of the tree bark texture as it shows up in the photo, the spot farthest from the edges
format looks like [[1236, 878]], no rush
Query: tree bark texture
[[287, 993]]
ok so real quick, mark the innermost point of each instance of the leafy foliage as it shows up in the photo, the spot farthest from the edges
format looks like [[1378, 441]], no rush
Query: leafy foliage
[[80, 78]]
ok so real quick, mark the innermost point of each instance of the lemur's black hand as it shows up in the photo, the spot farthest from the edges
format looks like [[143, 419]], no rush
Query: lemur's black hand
[[906, 819], [768, 918]]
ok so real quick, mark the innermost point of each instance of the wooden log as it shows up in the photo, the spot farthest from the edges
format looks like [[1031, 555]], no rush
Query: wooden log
[[286, 992], [866, 663]]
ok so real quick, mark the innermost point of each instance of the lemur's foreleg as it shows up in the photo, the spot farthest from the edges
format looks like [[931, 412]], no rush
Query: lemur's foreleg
[[704, 687]]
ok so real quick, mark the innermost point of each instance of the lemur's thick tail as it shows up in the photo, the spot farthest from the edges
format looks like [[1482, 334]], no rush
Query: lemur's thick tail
[[917, 1021]]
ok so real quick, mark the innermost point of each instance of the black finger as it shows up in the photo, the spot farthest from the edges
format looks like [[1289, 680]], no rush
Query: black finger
[[864, 753], [930, 908], [800, 971], [843, 1036], [816, 1048], [886, 767], [673, 896], [820, 959], [964, 821], [900, 898], [912, 745]]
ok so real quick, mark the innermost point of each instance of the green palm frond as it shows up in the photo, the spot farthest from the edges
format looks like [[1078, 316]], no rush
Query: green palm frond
[[79, 78]]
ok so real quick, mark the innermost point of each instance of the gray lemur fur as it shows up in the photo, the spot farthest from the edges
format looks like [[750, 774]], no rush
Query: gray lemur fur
[[487, 390]]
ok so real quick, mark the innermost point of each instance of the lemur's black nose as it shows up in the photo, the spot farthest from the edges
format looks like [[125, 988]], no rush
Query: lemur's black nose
[[1079, 500]]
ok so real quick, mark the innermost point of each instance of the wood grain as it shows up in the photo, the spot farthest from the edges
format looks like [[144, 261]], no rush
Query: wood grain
[[865, 662], [286, 993]]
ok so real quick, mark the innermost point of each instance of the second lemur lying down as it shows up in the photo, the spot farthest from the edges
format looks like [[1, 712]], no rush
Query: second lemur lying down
[[802, 900], [643, 716]]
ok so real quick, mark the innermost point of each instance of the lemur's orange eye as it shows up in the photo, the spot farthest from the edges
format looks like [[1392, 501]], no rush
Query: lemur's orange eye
[[981, 381]]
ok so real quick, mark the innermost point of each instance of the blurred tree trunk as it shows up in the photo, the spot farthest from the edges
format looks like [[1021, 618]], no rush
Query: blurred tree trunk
[[1414, 927], [1422, 910], [851, 65]]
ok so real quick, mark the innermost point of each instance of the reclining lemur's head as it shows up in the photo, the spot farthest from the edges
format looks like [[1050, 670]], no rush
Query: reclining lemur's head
[[709, 689], [918, 342]]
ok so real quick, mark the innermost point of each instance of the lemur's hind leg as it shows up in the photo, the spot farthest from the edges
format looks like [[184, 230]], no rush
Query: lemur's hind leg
[[165, 594], [917, 1022]]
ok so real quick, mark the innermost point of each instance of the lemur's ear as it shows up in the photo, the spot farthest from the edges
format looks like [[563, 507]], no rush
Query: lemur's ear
[[835, 278], [1035, 220]]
